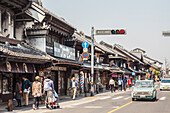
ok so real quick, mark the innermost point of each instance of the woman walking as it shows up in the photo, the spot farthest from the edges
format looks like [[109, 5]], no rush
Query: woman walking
[[18, 92], [36, 92]]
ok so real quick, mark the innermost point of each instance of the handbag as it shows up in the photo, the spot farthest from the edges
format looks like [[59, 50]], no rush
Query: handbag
[[26, 91], [20, 92]]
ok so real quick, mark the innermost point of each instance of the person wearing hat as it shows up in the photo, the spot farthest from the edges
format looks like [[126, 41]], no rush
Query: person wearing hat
[[36, 92]]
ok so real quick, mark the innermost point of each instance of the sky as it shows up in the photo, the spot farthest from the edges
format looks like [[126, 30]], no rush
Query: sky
[[143, 20]]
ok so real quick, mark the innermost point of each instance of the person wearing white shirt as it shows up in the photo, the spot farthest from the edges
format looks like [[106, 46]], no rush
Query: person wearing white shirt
[[112, 85]]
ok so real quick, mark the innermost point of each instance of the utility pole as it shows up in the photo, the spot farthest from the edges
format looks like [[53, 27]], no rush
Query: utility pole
[[166, 67], [92, 61]]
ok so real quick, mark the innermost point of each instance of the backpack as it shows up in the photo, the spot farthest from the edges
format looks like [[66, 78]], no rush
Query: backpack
[[47, 86]]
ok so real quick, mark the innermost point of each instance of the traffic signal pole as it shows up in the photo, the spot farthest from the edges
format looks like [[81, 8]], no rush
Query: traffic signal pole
[[92, 61]]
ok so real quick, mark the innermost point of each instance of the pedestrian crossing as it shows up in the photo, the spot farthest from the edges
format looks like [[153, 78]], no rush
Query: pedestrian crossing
[[162, 98], [124, 98], [127, 98], [116, 98]]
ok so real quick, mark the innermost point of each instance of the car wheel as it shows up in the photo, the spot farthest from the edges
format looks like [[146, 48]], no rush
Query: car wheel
[[160, 89], [154, 99], [133, 99]]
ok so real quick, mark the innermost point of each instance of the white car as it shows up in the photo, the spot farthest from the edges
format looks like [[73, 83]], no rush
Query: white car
[[165, 84]]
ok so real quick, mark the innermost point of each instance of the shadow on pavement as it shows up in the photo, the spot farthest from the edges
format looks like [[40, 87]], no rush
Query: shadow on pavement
[[146, 100]]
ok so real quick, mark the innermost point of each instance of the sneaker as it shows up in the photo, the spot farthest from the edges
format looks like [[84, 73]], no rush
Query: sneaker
[[33, 107]]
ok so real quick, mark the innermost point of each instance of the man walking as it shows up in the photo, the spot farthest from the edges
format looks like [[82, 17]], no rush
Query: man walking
[[124, 83], [74, 87], [26, 89], [112, 85], [120, 82]]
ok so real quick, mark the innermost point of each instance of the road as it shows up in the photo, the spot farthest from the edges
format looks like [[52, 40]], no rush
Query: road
[[119, 102]]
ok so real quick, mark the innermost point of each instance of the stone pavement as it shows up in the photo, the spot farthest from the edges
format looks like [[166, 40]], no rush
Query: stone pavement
[[65, 103], [3, 105]]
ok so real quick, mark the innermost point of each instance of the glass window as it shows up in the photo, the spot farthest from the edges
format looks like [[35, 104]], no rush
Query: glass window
[[7, 83], [144, 84], [165, 81]]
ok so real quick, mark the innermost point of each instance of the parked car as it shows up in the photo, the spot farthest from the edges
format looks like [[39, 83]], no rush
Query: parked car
[[165, 84], [144, 89]]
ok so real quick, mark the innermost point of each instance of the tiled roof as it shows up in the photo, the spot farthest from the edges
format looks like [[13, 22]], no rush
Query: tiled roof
[[127, 52], [52, 14], [23, 52]]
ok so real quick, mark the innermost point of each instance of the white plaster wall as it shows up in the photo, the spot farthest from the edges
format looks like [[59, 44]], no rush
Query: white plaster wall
[[39, 43], [19, 30]]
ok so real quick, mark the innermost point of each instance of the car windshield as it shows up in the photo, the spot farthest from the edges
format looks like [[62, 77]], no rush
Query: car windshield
[[144, 84], [165, 81]]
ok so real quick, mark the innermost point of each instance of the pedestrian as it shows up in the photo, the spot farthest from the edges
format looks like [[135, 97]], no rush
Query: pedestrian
[[112, 85], [124, 83], [129, 83], [18, 92], [120, 82], [48, 89], [36, 91], [74, 88], [26, 89]]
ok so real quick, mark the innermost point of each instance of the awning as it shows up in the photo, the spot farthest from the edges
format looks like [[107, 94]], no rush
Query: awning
[[114, 75], [127, 76]]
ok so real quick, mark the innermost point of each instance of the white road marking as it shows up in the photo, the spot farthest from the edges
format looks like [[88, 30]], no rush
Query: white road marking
[[106, 97], [127, 98], [115, 106], [93, 107], [69, 106], [84, 102], [119, 97], [162, 98]]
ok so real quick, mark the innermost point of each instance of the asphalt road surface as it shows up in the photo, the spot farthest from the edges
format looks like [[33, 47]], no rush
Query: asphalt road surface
[[119, 102]]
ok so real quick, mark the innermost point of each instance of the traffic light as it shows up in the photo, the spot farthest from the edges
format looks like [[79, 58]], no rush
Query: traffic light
[[117, 31]]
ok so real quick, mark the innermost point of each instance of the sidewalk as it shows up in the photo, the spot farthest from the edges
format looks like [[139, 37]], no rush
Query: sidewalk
[[3, 105]]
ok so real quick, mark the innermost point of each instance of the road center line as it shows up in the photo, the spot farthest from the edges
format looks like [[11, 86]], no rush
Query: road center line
[[120, 107]]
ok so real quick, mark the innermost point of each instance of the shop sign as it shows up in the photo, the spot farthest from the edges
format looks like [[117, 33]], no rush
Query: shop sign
[[41, 73], [64, 51], [57, 68], [82, 80]]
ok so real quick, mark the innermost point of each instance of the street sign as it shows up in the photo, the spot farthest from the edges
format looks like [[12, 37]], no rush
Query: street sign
[[111, 32], [133, 73], [103, 32], [85, 54], [85, 44], [85, 50]]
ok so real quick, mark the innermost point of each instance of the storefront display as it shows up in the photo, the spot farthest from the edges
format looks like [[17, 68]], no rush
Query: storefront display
[[7, 85]]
